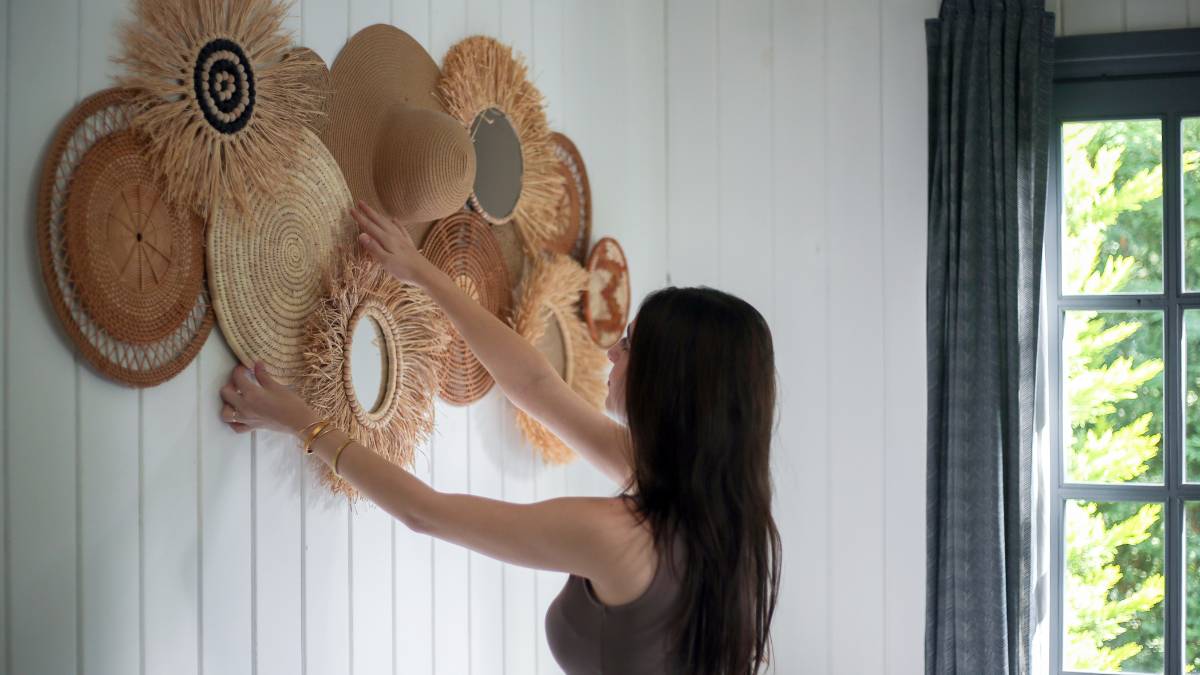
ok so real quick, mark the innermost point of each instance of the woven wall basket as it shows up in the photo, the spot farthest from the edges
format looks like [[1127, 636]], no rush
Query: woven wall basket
[[267, 269], [124, 272], [219, 104], [481, 74], [576, 235], [606, 300], [547, 315], [414, 344], [464, 247]]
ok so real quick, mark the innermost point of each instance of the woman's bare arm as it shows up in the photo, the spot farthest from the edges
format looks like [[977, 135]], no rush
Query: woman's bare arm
[[523, 374]]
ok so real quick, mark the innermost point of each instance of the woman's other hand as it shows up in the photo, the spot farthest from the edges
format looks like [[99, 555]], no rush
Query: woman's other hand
[[257, 401], [388, 242]]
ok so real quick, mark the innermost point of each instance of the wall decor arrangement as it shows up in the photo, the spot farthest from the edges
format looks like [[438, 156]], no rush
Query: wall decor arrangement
[[213, 187], [574, 211], [487, 88], [547, 315], [606, 298], [390, 134], [374, 350], [220, 107], [464, 247], [123, 269], [267, 267]]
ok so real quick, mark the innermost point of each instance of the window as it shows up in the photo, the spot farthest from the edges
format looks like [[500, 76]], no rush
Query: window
[[1123, 284]]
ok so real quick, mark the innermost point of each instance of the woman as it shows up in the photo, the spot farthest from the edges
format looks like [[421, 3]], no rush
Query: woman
[[680, 573]]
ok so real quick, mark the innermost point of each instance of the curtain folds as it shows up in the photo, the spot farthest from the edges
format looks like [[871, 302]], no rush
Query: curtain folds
[[990, 64]]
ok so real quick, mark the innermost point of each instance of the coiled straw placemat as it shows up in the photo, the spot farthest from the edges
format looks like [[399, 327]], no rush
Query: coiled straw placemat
[[85, 206], [463, 246], [267, 268], [570, 159], [606, 301], [414, 343], [549, 297]]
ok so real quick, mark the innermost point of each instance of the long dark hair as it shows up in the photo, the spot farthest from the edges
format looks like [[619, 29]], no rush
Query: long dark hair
[[700, 403]]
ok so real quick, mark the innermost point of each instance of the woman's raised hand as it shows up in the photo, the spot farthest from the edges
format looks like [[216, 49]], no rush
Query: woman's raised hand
[[257, 401], [388, 242]]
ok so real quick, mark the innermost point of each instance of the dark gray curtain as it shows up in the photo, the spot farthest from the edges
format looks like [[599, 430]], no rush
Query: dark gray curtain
[[990, 67]]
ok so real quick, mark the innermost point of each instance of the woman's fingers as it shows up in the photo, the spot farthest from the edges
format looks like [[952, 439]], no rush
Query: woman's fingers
[[370, 227], [241, 380], [230, 394]]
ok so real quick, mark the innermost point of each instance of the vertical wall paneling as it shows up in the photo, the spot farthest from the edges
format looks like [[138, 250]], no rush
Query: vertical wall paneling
[[1092, 16], [4, 303], [487, 574], [1193, 13], [170, 555], [856, 330], [1155, 14], [800, 269], [451, 563], [744, 148], [904, 241], [693, 110], [41, 467], [108, 450], [363, 13]]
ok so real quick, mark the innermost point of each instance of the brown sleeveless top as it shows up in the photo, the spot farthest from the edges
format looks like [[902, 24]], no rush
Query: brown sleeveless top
[[588, 637]]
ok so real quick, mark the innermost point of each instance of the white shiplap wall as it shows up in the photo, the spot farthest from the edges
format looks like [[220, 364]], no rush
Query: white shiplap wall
[[773, 148]]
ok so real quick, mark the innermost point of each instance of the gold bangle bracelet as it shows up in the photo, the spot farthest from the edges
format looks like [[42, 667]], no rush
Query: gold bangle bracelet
[[312, 434], [301, 431], [338, 455], [308, 447]]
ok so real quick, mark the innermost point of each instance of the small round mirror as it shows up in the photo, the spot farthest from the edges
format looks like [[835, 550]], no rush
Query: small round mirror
[[498, 165], [368, 363]]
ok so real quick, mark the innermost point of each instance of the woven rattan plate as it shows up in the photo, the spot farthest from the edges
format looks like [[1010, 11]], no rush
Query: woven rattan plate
[[606, 300], [266, 269], [463, 246], [566, 217], [97, 195], [580, 198]]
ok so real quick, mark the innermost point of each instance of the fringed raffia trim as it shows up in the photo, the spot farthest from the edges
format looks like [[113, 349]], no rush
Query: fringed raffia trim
[[206, 154], [415, 340], [480, 73], [550, 292]]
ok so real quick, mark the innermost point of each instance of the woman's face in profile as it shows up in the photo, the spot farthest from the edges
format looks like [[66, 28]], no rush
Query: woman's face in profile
[[614, 403]]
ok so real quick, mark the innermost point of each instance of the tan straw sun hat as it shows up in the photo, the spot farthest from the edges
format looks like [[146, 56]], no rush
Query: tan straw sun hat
[[398, 149]]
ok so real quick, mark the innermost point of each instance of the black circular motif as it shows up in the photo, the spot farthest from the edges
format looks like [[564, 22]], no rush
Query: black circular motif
[[224, 85]]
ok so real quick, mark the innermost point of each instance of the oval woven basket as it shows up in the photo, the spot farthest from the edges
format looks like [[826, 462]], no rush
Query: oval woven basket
[[606, 299], [570, 159], [105, 328], [463, 246]]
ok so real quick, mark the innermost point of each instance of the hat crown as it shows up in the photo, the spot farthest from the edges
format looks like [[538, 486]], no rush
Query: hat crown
[[424, 165]]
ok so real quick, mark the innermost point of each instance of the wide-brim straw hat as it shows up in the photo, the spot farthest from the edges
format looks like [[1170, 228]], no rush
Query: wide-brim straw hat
[[268, 268], [397, 148]]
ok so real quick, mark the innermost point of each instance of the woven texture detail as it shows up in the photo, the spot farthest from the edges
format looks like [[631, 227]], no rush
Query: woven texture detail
[[146, 363], [464, 247], [267, 268], [424, 166], [580, 197], [414, 342], [316, 81], [550, 294], [606, 301]]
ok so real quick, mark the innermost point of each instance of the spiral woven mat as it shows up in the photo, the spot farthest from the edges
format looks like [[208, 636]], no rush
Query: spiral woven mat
[[73, 168], [569, 157], [315, 82], [266, 269], [463, 246], [606, 299], [137, 264]]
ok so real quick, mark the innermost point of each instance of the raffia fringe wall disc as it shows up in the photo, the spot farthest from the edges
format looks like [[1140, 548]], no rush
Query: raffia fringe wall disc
[[464, 247], [216, 98], [267, 268], [606, 301], [414, 343], [570, 160], [316, 81], [550, 295], [479, 73], [124, 273]]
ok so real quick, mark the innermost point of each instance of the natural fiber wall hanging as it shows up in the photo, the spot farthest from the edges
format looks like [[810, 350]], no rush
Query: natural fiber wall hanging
[[219, 104], [399, 150], [574, 213], [547, 315], [267, 268], [464, 247], [606, 301], [124, 271], [487, 88], [316, 81], [412, 337]]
